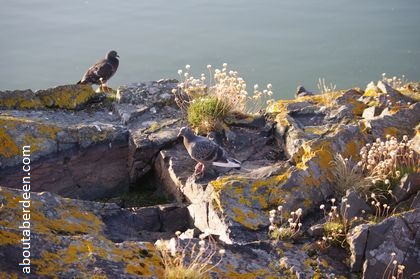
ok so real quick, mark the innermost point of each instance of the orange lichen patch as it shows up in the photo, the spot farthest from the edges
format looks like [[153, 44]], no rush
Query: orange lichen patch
[[8, 147], [8, 275], [372, 92], [304, 154], [9, 238], [19, 100], [30, 131], [143, 260], [324, 99], [358, 107], [392, 131], [72, 221], [66, 96]]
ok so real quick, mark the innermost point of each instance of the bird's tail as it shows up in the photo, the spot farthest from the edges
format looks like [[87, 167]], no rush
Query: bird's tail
[[231, 163], [79, 82]]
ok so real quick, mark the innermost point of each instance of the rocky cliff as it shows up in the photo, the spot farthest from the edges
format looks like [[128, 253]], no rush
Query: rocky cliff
[[88, 147]]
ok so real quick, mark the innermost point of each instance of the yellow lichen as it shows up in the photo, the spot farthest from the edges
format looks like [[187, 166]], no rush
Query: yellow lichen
[[8, 147], [9, 238], [67, 97]]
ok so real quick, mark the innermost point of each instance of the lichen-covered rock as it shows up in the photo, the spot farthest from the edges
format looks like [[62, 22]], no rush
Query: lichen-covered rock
[[149, 111], [396, 238], [20, 99], [66, 96], [356, 239], [65, 148], [68, 239], [72, 96]]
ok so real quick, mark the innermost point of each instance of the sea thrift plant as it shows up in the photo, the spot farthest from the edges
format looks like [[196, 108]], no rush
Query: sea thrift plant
[[190, 261], [387, 161], [280, 228], [395, 82], [336, 226], [222, 91]]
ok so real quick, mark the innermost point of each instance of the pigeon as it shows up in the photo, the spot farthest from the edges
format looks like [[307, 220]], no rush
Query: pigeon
[[206, 152], [101, 71]]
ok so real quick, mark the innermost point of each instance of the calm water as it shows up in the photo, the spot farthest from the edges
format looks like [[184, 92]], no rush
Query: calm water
[[46, 43]]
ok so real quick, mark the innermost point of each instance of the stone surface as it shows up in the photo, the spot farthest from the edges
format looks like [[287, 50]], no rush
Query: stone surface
[[358, 206], [356, 239], [72, 96], [397, 234], [74, 239], [77, 154], [409, 185]]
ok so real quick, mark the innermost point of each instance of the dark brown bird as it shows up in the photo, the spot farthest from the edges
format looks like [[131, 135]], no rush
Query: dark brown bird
[[101, 71]]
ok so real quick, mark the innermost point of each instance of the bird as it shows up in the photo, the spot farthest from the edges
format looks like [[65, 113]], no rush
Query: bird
[[100, 72], [206, 152]]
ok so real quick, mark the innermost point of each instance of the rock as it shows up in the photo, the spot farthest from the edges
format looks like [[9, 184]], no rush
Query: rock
[[356, 239], [371, 112], [397, 234], [76, 154], [416, 202], [148, 94], [74, 239], [73, 96], [153, 120], [393, 95], [409, 185], [400, 123], [316, 230], [358, 206], [19, 99], [68, 238]]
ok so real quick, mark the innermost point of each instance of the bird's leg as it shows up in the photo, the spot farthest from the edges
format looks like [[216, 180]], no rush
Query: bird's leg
[[102, 85], [199, 169]]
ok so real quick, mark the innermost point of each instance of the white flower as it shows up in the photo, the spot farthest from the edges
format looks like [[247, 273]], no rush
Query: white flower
[[180, 72], [201, 243], [271, 228], [255, 86], [222, 251], [280, 208], [322, 206], [269, 86], [187, 67], [177, 233], [209, 66]]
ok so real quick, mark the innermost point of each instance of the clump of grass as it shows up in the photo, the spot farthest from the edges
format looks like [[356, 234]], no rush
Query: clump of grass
[[191, 261], [348, 176], [225, 86], [207, 113], [280, 228]]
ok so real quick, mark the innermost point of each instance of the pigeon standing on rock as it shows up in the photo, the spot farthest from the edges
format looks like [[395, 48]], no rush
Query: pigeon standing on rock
[[206, 152], [101, 71]]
